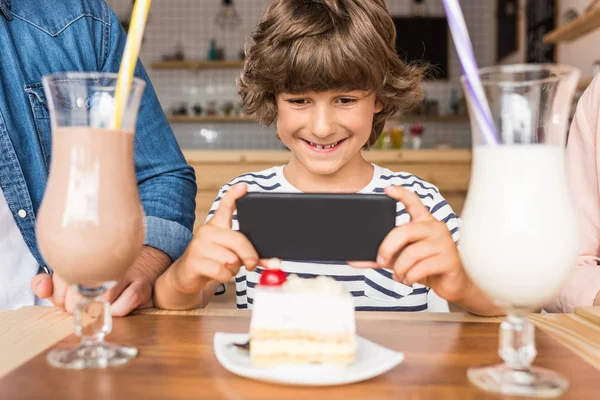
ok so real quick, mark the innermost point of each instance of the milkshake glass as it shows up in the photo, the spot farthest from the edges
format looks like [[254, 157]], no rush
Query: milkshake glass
[[90, 226], [519, 236]]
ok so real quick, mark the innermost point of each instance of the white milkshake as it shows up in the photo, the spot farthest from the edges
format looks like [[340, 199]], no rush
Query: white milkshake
[[519, 236]]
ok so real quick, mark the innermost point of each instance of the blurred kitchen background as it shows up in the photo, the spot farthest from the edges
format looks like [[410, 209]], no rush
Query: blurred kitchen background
[[192, 50]]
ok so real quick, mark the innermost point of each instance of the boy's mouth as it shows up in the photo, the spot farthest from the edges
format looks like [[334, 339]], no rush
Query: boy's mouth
[[324, 147]]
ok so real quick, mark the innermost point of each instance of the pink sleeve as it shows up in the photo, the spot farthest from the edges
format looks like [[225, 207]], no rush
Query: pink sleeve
[[583, 283]]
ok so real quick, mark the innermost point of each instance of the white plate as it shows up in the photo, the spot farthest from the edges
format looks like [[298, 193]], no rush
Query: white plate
[[371, 360]]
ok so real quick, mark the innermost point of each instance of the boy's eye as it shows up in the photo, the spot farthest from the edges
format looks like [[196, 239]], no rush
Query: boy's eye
[[346, 100], [298, 102]]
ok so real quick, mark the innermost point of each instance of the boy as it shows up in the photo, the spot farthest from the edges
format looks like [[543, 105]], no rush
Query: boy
[[327, 73]]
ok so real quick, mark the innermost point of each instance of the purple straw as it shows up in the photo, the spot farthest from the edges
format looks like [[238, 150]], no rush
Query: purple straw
[[462, 42]]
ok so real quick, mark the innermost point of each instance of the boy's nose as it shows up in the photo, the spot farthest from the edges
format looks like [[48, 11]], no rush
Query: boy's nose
[[323, 124]]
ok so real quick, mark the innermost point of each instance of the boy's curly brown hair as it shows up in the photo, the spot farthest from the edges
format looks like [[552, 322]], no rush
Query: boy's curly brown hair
[[320, 45]]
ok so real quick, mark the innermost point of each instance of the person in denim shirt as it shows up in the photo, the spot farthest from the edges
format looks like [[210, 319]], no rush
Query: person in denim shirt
[[43, 37]]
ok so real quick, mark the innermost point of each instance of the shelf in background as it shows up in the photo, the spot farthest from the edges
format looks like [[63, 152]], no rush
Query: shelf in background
[[430, 118], [209, 119], [576, 28], [245, 118], [198, 65]]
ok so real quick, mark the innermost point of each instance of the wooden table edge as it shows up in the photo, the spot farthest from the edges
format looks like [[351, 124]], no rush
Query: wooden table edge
[[392, 316], [582, 346], [29, 331], [590, 313]]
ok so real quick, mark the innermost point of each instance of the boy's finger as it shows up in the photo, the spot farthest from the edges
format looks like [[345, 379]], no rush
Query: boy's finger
[[267, 263], [234, 269], [263, 263], [412, 255], [215, 270], [221, 255], [398, 239], [412, 202], [270, 263], [421, 271], [224, 214], [239, 244]]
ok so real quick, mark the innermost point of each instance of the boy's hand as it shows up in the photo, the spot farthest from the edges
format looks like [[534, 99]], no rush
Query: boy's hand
[[421, 251], [216, 252]]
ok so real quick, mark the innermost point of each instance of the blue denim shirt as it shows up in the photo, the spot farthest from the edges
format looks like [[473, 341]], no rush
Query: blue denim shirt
[[43, 37]]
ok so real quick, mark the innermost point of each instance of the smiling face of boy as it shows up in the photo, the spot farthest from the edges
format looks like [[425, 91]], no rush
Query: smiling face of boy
[[326, 130]]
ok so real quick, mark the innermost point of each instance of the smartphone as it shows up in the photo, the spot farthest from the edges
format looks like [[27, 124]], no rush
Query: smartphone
[[330, 227]]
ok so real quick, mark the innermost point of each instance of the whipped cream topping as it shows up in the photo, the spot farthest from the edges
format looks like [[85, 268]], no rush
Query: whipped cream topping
[[320, 284]]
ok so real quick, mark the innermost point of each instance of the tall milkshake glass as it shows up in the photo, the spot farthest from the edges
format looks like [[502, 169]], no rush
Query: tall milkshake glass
[[90, 224], [519, 236]]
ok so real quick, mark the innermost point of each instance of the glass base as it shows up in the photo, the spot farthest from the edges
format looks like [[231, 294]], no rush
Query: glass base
[[534, 382], [100, 355]]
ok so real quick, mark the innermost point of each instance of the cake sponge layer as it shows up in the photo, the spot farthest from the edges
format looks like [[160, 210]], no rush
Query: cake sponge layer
[[268, 352]]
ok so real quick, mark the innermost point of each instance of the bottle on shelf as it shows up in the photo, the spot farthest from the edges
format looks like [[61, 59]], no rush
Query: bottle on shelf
[[416, 133], [397, 137], [383, 141], [213, 51]]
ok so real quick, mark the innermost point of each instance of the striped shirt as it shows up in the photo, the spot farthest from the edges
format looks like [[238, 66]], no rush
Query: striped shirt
[[372, 289]]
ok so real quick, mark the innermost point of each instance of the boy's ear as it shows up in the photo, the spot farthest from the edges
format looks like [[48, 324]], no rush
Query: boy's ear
[[378, 106]]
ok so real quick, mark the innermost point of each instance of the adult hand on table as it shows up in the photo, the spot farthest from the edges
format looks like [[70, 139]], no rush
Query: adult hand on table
[[133, 291], [54, 288]]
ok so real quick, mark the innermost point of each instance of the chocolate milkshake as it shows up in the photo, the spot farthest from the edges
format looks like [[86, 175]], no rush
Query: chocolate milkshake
[[90, 224]]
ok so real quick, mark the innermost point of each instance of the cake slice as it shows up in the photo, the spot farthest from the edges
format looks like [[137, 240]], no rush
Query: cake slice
[[301, 321]]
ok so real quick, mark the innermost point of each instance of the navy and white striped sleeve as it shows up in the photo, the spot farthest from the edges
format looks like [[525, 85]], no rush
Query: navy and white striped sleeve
[[441, 210], [217, 201], [222, 288]]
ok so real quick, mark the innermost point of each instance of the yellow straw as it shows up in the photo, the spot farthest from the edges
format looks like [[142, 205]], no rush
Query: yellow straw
[[130, 57]]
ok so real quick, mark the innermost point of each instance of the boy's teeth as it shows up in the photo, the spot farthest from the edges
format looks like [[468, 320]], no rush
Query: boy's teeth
[[318, 146]]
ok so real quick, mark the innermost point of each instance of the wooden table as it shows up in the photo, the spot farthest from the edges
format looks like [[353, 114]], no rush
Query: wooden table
[[177, 361]]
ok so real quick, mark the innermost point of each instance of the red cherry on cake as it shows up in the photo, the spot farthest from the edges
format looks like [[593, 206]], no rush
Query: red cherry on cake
[[272, 277]]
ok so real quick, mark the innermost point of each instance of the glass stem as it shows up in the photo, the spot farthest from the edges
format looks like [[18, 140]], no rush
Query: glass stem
[[92, 318], [517, 341]]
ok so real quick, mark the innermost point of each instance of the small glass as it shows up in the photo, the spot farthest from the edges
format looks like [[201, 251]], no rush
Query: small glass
[[519, 235], [90, 226]]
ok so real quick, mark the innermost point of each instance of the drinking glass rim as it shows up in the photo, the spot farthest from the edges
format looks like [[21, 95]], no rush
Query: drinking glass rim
[[561, 71], [89, 76]]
